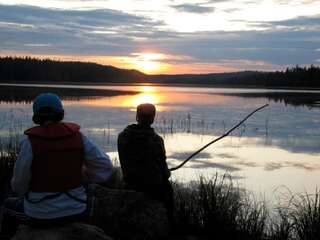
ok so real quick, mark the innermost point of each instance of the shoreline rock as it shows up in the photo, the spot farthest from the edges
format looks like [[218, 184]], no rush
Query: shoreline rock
[[125, 214], [73, 231]]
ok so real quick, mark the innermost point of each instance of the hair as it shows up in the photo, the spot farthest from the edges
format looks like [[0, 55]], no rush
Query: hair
[[47, 114], [146, 113]]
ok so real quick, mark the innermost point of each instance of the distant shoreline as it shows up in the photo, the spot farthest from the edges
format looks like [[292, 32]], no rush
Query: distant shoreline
[[36, 71], [200, 85], [12, 92]]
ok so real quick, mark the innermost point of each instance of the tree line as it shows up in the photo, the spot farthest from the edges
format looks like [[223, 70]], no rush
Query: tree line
[[26, 69], [295, 77], [17, 69]]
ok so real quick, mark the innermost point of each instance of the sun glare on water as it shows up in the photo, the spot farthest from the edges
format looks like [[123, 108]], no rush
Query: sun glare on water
[[144, 98], [147, 95], [147, 89]]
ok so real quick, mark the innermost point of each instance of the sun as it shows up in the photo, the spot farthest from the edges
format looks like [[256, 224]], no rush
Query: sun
[[148, 66], [148, 62]]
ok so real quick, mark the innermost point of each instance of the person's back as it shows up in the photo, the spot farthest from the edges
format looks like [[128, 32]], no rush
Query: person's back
[[57, 150], [143, 158]]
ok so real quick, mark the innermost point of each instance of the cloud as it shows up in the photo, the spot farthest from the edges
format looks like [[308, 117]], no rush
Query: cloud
[[203, 161], [105, 32], [184, 155], [300, 23], [246, 163], [273, 166], [304, 166], [216, 1], [70, 31], [226, 155], [193, 8], [232, 10], [290, 1], [251, 48], [199, 164], [277, 166]]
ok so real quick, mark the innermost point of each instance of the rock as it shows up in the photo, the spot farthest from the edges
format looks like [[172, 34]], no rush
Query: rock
[[188, 237], [125, 214], [73, 231]]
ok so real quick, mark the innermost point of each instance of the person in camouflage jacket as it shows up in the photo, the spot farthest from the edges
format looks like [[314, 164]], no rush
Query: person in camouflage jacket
[[143, 158]]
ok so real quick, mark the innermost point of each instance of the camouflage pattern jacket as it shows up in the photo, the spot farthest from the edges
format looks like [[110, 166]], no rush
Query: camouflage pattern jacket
[[142, 156]]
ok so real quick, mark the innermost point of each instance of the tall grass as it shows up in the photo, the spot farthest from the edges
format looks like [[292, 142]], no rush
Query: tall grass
[[299, 220], [305, 216], [8, 154], [215, 208], [10, 135]]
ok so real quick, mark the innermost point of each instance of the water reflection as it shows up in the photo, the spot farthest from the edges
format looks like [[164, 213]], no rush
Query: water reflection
[[23, 92], [310, 99], [240, 152], [280, 145], [164, 101], [262, 168]]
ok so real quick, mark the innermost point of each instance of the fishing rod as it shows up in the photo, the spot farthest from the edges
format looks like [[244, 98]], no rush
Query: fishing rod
[[217, 139]]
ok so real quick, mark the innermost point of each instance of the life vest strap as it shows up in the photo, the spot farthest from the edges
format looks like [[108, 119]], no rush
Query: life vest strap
[[52, 196]]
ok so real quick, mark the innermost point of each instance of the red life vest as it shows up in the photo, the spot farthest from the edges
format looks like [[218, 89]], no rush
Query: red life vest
[[58, 155]]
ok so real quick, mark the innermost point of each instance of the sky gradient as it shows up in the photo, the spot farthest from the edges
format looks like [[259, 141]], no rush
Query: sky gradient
[[166, 36]]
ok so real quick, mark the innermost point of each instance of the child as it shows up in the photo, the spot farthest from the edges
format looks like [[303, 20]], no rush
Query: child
[[54, 160]]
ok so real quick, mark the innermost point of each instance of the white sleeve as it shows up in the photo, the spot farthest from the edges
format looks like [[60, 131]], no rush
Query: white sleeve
[[22, 169], [97, 166]]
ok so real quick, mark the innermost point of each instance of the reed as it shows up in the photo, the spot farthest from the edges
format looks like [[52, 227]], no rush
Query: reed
[[281, 227], [216, 208], [8, 154], [304, 214]]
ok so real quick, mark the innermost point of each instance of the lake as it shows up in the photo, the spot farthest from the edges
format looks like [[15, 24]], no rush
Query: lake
[[276, 150]]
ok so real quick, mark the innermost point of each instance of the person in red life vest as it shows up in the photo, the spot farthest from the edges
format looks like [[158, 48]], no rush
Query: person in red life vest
[[53, 161], [143, 159]]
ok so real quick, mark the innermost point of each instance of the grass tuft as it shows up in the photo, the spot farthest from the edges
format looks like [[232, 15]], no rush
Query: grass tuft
[[215, 207]]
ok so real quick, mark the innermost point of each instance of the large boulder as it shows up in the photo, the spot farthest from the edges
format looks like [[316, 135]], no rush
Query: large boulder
[[74, 231], [125, 214]]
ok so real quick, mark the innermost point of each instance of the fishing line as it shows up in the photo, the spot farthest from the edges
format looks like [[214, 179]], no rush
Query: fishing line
[[217, 139]]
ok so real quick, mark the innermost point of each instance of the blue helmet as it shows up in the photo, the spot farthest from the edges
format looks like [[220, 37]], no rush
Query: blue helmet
[[49, 100]]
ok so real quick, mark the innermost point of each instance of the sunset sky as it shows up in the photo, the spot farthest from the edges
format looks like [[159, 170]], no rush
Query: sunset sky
[[167, 36]]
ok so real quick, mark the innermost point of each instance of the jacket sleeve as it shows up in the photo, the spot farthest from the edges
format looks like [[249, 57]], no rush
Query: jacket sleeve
[[163, 164], [126, 160], [97, 165], [22, 169]]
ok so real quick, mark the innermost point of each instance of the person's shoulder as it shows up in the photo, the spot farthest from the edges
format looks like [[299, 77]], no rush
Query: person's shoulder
[[30, 130], [72, 126], [24, 140], [157, 136], [124, 134], [128, 129]]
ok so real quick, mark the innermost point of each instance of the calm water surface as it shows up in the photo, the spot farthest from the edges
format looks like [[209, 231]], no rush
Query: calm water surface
[[277, 148]]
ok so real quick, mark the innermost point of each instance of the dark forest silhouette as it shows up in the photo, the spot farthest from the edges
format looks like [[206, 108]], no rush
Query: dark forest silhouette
[[17, 69], [13, 69]]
